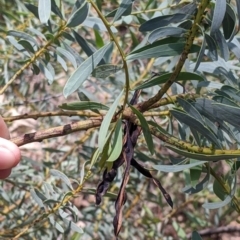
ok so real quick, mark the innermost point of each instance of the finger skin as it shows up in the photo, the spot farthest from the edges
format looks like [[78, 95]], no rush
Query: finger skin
[[9, 152], [3, 129], [5, 173]]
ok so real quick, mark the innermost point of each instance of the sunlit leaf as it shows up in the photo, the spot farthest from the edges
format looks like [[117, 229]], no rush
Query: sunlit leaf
[[44, 10]]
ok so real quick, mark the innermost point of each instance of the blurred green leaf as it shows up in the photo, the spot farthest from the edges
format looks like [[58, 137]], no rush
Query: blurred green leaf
[[196, 236], [98, 38]]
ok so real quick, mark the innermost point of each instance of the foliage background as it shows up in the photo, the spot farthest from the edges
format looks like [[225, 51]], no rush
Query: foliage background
[[37, 201]]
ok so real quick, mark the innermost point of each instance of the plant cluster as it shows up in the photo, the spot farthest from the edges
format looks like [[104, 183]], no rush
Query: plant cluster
[[134, 89]]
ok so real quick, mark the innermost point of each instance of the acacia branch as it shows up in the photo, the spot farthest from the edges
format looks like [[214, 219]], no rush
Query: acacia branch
[[56, 131], [189, 42]]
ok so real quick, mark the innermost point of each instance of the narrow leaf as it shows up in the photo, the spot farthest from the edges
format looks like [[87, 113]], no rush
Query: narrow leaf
[[218, 15], [84, 71], [76, 55], [222, 44], [190, 109], [36, 198], [22, 35], [62, 176], [79, 16], [165, 31], [73, 226], [67, 55], [145, 128], [201, 52], [104, 71], [84, 105], [124, 9], [217, 205], [117, 142], [55, 9], [177, 168], [106, 122], [182, 76], [196, 236], [171, 49], [197, 125], [199, 187], [83, 44], [44, 10], [212, 47], [162, 21]]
